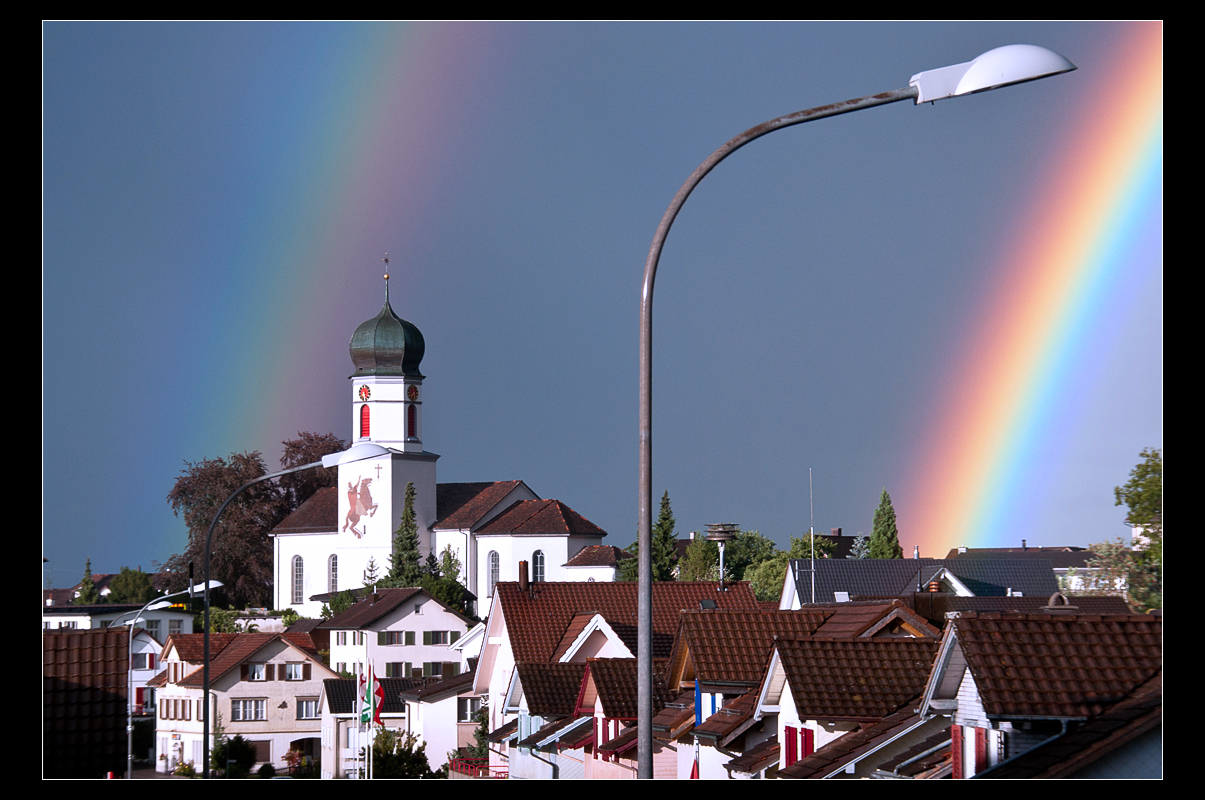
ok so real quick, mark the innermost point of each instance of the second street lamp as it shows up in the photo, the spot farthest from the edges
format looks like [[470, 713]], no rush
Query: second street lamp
[[1002, 66]]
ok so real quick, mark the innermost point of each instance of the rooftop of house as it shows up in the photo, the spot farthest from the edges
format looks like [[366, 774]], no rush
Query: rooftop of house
[[834, 756], [613, 682], [598, 555], [84, 686], [897, 577], [1059, 557], [1058, 666], [551, 690], [1078, 604], [855, 679], [373, 607], [240, 648], [441, 688], [537, 619], [342, 694], [535, 517]]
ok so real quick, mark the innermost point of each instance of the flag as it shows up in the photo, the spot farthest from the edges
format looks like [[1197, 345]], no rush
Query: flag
[[365, 700], [378, 697]]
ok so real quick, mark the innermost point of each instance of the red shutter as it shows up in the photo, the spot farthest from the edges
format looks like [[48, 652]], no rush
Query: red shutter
[[150, 660], [809, 742], [956, 751], [980, 750], [792, 743]]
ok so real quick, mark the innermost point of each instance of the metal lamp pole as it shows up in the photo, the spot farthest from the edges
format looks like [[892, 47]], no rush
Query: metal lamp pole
[[1000, 67]]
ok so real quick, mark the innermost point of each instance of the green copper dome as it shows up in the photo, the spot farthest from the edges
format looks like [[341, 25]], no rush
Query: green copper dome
[[387, 345]]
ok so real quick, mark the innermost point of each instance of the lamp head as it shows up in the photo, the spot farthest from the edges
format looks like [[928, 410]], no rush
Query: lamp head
[[1004, 66]]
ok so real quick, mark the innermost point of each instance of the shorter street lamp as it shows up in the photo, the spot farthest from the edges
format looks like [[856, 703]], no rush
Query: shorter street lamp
[[356, 452], [153, 605], [1004, 66]]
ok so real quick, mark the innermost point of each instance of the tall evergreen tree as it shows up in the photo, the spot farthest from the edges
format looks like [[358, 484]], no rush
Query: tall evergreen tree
[[861, 548], [405, 567], [371, 578], [665, 544], [88, 594], [885, 537]]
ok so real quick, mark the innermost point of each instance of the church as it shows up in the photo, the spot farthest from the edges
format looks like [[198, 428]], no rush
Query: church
[[326, 545]]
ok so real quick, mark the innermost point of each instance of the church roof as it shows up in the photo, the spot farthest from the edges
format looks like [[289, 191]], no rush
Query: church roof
[[599, 555], [463, 505], [387, 345], [319, 514], [541, 516]]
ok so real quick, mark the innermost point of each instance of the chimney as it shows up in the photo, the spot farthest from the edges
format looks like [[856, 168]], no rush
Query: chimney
[[524, 583], [837, 532], [1022, 545]]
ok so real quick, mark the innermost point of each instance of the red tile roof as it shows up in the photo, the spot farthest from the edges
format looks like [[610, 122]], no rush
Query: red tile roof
[[318, 514], [1054, 666], [613, 680], [599, 555], [541, 516], [855, 679], [536, 620], [462, 505], [242, 648], [731, 647], [84, 692], [551, 690]]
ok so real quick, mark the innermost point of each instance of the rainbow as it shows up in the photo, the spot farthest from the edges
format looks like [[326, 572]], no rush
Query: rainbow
[[1091, 237]]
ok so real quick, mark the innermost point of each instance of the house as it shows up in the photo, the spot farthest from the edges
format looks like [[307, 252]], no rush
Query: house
[[343, 735], [159, 623], [263, 686], [550, 738], [924, 584], [402, 633], [84, 703], [608, 699], [570, 622], [723, 655], [442, 714], [326, 545], [1031, 692]]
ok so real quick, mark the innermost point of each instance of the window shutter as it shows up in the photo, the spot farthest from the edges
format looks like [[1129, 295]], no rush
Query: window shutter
[[269, 672], [956, 751], [244, 670], [382, 638], [792, 743], [809, 742], [150, 661], [453, 637], [426, 637], [305, 671], [410, 638]]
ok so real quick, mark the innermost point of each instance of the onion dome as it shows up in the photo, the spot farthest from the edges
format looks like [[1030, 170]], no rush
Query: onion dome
[[387, 345]]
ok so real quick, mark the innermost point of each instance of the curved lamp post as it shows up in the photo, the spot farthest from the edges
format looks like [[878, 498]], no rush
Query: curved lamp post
[[1003, 66], [153, 605], [356, 452]]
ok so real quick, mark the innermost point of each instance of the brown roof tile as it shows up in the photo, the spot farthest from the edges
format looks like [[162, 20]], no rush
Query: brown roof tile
[[731, 647], [551, 690], [1059, 666], [462, 505], [677, 717], [733, 719], [367, 611], [541, 516], [84, 692], [599, 555], [850, 747], [318, 514], [614, 681], [536, 620], [862, 679], [241, 647]]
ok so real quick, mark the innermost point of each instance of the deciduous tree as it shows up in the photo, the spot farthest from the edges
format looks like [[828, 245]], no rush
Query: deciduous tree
[[130, 586]]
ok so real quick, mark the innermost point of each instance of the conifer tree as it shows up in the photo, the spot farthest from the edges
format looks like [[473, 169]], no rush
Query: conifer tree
[[88, 594], [885, 537], [405, 568], [371, 578], [664, 542]]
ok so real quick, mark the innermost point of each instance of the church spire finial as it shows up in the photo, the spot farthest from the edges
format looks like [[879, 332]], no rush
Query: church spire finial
[[387, 263]]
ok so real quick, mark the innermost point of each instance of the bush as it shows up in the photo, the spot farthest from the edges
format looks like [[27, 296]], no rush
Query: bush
[[266, 771]]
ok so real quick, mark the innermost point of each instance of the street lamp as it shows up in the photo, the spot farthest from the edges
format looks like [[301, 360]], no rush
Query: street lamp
[[153, 605], [1003, 66], [356, 452]]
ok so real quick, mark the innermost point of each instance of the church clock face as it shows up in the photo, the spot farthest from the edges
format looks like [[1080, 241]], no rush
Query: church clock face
[[411, 392], [364, 392]]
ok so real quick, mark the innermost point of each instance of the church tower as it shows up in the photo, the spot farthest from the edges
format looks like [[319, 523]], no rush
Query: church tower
[[387, 410]]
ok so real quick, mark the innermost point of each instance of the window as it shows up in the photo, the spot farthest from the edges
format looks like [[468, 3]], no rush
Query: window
[[295, 672], [173, 627], [341, 667], [152, 627], [397, 669], [142, 661], [537, 566], [395, 637], [257, 672], [418, 607], [307, 709], [364, 426], [341, 638], [298, 580], [440, 669], [333, 572], [411, 421], [247, 710], [440, 637], [493, 572], [467, 708]]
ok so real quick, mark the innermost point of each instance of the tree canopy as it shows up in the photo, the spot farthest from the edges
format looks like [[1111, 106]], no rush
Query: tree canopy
[[1143, 493], [885, 537], [242, 550], [130, 586], [701, 561]]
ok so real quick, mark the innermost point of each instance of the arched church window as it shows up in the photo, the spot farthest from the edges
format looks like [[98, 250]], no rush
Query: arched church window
[[333, 571], [494, 564], [364, 427], [298, 580], [411, 422], [537, 566]]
